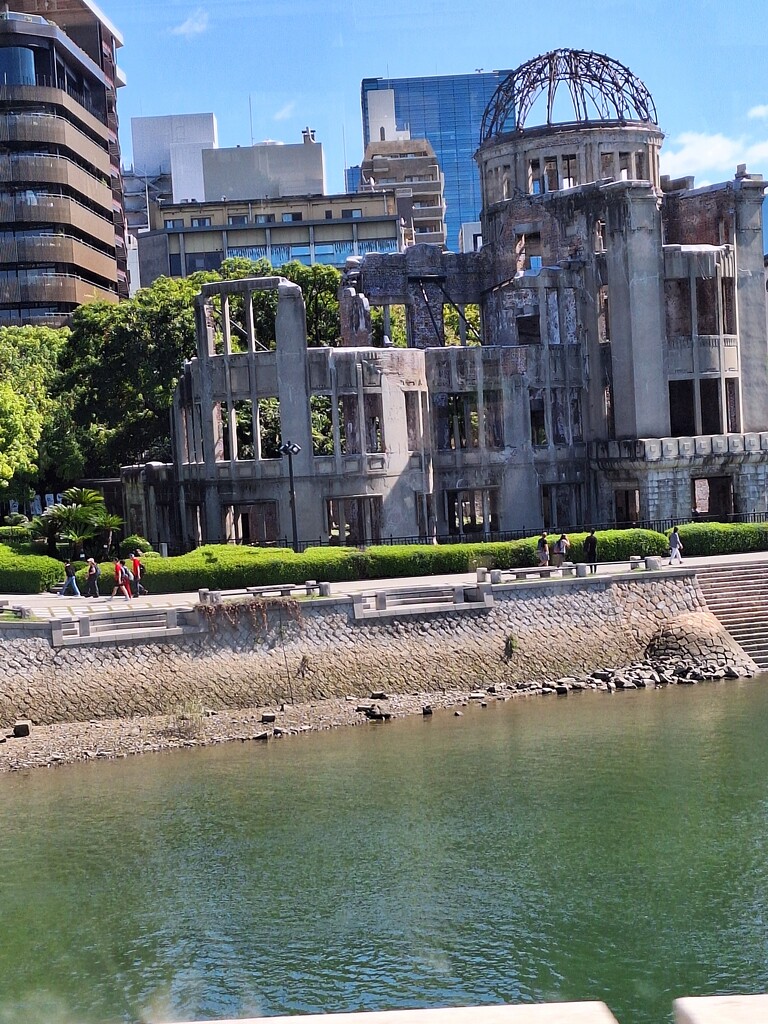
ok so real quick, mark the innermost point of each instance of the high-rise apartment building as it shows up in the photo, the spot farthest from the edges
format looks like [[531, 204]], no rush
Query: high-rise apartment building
[[448, 111], [62, 224]]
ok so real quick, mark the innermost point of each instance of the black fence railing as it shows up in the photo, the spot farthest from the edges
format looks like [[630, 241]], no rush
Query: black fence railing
[[478, 537]]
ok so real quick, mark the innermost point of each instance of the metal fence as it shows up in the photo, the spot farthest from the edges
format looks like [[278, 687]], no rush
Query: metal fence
[[658, 525]]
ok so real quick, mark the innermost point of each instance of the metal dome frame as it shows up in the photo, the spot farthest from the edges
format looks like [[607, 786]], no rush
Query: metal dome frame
[[601, 89]]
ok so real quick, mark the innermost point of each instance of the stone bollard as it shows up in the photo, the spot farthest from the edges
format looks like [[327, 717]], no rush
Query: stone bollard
[[581, 569], [482, 575], [495, 575], [310, 586], [653, 563], [324, 589], [634, 561]]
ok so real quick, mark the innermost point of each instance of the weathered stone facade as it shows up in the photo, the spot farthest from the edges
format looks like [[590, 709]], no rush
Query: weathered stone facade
[[532, 632], [621, 373]]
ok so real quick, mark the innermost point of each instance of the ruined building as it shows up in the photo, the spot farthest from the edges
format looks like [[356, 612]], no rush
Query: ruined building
[[619, 372]]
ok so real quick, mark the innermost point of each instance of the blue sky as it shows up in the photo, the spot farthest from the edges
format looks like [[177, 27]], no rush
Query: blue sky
[[301, 63]]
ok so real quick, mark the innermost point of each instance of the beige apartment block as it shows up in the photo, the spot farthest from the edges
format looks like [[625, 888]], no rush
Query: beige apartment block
[[62, 239]]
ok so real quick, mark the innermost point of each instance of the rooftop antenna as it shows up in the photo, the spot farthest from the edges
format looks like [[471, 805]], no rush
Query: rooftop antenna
[[250, 114]]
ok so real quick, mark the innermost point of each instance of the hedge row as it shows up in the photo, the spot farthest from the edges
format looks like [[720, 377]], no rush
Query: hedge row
[[723, 538], [27, 574], [228, 567]]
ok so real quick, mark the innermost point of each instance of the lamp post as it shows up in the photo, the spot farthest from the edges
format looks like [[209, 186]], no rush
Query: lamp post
[[290, 449]]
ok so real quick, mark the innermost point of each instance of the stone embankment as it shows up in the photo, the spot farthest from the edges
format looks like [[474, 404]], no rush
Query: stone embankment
[[110, 699]]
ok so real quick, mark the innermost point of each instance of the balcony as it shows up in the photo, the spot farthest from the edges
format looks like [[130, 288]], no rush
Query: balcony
[[43, 209], [75, 104], [58, 249], [34, 169], [54, 289], [55, 130]]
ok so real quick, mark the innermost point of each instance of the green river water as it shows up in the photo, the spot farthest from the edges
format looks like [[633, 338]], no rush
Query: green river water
[[592, 847]]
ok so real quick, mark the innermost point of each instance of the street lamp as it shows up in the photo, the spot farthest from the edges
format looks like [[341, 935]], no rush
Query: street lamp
[[290, 449]]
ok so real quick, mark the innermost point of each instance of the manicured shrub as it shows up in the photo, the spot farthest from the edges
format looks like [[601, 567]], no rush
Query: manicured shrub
[[618, 545], [27, 574], [134, 543], [14, 535], [723, 538]]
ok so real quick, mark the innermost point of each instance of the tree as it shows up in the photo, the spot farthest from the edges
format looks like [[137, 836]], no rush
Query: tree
[[28, 368], [80, 516]]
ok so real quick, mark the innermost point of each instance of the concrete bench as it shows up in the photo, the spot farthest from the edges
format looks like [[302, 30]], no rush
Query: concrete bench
[[544, 571]]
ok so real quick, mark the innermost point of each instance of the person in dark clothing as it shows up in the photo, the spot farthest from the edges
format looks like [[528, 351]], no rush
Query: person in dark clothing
[[590, 551], [70, 583], [92, 579]]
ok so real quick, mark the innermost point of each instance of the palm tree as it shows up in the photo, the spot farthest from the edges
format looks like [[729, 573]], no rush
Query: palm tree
[[79, 517]]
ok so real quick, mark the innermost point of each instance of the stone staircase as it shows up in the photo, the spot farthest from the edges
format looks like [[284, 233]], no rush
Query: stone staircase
[[738, 596]]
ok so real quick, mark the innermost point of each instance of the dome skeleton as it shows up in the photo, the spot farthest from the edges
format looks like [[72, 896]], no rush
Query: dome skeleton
[[601, 89]]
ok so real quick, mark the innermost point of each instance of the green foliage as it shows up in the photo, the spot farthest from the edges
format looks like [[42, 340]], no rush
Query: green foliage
[[134, 542], [618, 545], [14, 535], [27, 574], [723, 538], [28, 369]]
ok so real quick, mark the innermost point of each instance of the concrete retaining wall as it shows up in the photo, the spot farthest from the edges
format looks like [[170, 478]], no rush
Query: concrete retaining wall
[[256, 657]]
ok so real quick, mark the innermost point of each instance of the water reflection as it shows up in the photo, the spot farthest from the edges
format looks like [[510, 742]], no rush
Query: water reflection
[[594, 847]]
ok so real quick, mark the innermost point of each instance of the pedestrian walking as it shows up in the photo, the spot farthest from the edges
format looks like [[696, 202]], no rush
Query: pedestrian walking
[[122, 580], [675, 548], [70, 581], [137, 568], [590, 551], [92, 575], [542, 549], [560, 550]]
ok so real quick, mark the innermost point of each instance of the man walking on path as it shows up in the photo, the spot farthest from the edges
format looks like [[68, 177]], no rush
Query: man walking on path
[[542, 549], [70, 583], [137, 568], [675, 548], [590, 551]]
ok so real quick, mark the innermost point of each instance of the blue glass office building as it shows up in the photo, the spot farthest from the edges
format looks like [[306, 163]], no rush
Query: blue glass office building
[[447, 110]]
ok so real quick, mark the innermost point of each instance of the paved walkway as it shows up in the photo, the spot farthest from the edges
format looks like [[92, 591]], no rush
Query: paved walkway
[[50, 606]]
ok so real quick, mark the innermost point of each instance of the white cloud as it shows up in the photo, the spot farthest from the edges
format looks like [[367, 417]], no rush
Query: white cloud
[[284, 112], [195, 25], [758, 113], [697, 152]]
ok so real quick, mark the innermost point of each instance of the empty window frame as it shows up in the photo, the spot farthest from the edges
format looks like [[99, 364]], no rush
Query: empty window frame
[[493, 411], [456, 420], [535, 184], [709, 396], [472, 511], [321, 418], [706, 306], [603, 315], [374, 428], [682, 412], [625, 166], [354, 521], [268, 424], [559, 415], [732, 405], [538, 416], [626, 505], [728, 300], [677, 307], [349, 425], [641, 171], [551, 182], [528, 249], [244, 446], [606, 164], [528, 327], [413, 419], [570, 170]]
